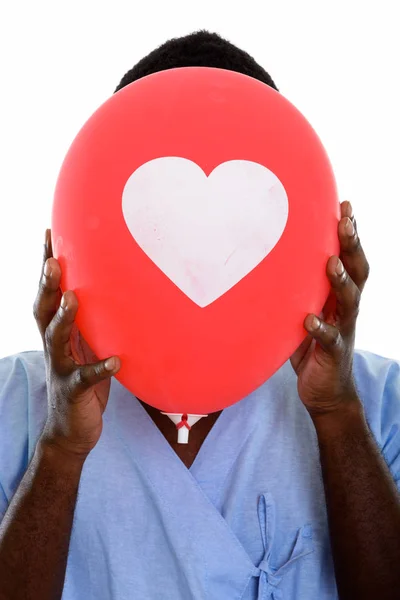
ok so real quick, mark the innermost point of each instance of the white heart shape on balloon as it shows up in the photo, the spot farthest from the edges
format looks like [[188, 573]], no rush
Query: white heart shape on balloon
[[205, 233]]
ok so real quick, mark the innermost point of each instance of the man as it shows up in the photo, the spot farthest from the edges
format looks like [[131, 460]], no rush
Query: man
[[290, 493]]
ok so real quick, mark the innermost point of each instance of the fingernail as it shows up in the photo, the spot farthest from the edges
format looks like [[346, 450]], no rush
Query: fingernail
[[349, 227], [339, 267], [350, 210], [63, 302], [110, 364], [47, 268], [315, 323]]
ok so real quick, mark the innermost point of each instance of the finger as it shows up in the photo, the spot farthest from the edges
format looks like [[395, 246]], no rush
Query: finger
[[48, 248], [347, 294], [48, 296], [327, 336], [87, 376], [58, 333], [351, 251], [328, 314], [346, 210]]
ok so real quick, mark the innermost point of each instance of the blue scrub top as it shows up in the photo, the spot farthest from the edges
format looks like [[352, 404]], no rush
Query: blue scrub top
[[248, 519]]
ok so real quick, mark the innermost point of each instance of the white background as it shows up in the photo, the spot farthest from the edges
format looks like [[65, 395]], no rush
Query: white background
[[336, 61]]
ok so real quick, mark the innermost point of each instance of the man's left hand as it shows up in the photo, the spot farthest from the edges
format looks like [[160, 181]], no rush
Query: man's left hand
[[324, 361]]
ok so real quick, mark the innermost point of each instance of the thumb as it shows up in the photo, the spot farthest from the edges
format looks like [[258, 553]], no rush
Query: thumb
[[86, 376]]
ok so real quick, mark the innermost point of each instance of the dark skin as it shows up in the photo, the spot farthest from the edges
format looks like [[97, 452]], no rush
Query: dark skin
[[186, 452], [362, 500]]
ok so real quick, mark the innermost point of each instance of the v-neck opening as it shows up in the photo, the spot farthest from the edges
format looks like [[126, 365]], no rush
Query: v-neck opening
[[216, 457], [199, 456], [229, 427]]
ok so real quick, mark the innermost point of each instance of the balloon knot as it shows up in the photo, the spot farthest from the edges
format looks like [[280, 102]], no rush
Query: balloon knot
[[183, 423]]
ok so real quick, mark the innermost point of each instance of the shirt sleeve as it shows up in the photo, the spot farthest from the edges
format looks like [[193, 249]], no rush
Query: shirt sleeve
[[390, 423], [23, 409], [378, 382]]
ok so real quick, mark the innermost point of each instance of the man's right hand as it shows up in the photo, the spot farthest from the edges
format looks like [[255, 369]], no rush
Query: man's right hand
[[77, 390]]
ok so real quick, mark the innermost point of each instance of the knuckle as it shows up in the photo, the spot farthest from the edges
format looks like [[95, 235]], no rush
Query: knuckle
[[335, 338], [355, 242], [357, 299], [345, 278], [356, 302], [43, 286], [353, 245], [36, 311], [59, 317], [367, 269], [82, 378], [88, 374], [97, 371], [69, 388], [39, 298], [49, 338]]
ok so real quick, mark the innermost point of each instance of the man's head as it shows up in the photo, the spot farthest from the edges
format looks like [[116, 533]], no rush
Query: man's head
[[200, 49]]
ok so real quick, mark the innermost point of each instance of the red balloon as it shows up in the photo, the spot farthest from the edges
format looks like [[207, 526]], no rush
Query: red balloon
[[195, 333]]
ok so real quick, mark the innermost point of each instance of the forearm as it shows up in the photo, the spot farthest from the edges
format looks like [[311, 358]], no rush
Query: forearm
[[363, 508], [35, 531]]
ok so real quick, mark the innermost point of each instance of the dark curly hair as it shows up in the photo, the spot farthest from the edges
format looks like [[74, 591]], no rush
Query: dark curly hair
[[198, 49]]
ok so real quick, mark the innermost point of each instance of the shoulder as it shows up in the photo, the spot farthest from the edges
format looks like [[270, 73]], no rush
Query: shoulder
[[22, 367], [378, 384], [22, 385], [23, 411]]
